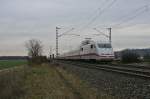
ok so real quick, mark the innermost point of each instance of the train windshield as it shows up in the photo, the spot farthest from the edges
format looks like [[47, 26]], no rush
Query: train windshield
[[104, 46]]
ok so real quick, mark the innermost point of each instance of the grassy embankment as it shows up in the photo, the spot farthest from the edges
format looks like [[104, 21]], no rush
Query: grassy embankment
[[45, 82], [12, 82]]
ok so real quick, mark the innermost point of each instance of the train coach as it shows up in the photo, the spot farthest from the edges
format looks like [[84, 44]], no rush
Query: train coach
[[91, 50]]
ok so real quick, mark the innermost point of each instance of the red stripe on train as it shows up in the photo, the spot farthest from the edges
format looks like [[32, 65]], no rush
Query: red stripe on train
[[92, 54]]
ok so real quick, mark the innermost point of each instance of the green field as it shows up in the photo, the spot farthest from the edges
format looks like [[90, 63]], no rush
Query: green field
[[11, 63]]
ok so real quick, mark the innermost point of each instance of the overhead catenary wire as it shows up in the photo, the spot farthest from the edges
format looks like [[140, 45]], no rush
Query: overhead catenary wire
[[104, 6], [66, 32], [79, 26], [130, 16], [99, 14], [136, 12], [93, 13], [124, 19]]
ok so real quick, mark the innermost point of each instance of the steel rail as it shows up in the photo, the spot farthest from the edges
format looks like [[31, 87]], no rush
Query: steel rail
[[144, 73]]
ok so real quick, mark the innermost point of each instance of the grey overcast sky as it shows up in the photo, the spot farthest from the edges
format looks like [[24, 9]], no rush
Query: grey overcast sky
[[21, 20]]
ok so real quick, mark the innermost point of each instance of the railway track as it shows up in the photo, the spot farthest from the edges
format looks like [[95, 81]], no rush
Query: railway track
[[138, 71]]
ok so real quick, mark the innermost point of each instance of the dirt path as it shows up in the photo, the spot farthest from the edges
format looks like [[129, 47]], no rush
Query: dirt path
[[76, 93]]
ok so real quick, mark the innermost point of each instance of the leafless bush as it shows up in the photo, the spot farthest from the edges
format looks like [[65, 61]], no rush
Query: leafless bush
[[34, 48]]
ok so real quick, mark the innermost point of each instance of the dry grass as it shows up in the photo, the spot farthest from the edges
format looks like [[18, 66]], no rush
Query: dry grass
[[45, 82], [12, 83]]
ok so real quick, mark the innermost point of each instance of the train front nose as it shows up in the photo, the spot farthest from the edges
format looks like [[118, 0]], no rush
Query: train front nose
[[106, 54]]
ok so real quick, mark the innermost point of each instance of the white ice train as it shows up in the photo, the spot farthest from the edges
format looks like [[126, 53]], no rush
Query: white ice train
[[91, 50]]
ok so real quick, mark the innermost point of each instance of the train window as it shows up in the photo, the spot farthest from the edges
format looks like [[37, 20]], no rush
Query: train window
[[81, 49], [104, 45], [108, 45], [92, 46]]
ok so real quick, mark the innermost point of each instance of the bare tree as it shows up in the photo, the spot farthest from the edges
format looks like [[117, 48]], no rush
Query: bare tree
[[34, 48]]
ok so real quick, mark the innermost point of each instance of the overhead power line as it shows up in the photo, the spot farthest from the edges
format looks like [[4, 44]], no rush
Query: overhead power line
[[92, 14], [99, 14], [137, 12], [66, 32]]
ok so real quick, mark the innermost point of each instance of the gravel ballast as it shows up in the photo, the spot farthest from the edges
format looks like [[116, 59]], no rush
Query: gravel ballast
[[114, 84]]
